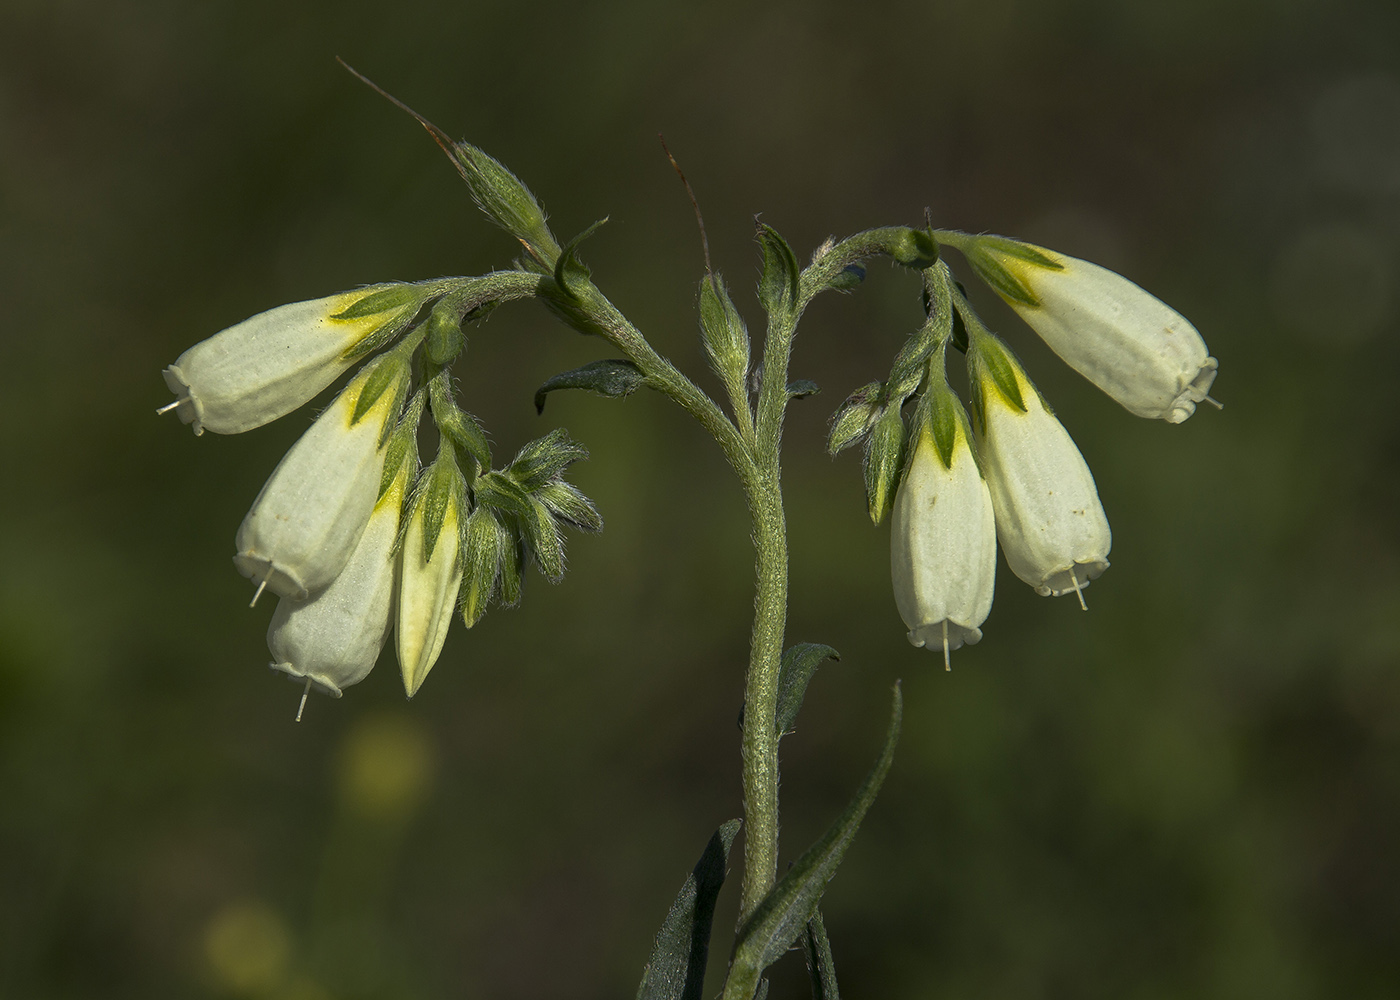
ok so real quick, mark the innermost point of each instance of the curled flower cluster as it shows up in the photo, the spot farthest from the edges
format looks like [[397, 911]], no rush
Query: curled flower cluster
[[1012, 474], [351, 535]]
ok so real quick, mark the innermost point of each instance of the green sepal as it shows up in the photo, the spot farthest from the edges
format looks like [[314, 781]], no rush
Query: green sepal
[[402, 450], [762, 992], [506, 201], [795, 673], [853, 420], [545, 543], [483, 538], [983, 253], [884, 458], [442, 485], [512, 565], [613, 378], [944, 417], [545, 459], [816, 948], [991, 365], [568, 268], [782, 915], [503, 494], [383, 335], [725, 335], [911, 362], [386, 374], [802, 387], [381, 300], [676, 969], [569, 504], [778, 286]]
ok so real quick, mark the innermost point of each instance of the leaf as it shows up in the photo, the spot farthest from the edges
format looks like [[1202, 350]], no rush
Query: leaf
[[783, 914], [799, 664], [568, 267], [777, 288], [676, 970], [613, 378], [817, 950], [801, 387]]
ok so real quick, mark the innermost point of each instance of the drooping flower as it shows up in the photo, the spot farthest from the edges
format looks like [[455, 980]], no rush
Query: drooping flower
[[333, 638], [274, 362], [943, 546], [301, 529], [1130, 344], [430, 568], [1049, 520]]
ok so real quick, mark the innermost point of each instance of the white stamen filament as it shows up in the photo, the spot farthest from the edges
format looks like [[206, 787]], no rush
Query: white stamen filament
[[1215, 403], [262, 585], [1078, 592], [167, 408], [304, 692], [947, 663]]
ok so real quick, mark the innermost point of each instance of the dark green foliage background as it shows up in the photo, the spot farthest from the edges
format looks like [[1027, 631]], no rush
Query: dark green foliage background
[[1191, 791]]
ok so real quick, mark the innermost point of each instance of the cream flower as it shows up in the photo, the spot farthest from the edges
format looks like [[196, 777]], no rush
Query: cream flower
[[430, 569], [943, 542]]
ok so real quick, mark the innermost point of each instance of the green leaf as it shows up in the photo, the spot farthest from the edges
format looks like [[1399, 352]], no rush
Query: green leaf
[[506, 200], [783, 914], [848, 279], [676, 970], [568, 268], [777, 288], [568, 504], [817, 950], [613, 378], [799, 664], [853, 420], [801, 387]]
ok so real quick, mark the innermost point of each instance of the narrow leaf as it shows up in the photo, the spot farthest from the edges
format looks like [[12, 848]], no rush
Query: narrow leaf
[[676, 970], [795, 673], [568, 267], [801, 387], [613, 378], [820, 967], [783, 914]]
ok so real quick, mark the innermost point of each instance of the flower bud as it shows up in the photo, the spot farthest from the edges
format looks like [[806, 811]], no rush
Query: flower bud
[[274, 362], [1130, 344], [430, 569], [333, 639], [943, 539], [301, 529], [1049, 520]]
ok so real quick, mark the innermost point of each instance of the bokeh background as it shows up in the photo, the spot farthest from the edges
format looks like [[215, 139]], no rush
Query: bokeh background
[[1191, 791]]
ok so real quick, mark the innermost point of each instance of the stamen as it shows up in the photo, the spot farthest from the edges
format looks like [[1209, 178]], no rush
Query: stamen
[[1215, 403], [304, 692], [1077, 591], [167, 408], [262, 584], [947, 663]]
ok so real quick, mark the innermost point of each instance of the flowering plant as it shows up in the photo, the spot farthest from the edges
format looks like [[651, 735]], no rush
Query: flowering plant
[[358, 539]]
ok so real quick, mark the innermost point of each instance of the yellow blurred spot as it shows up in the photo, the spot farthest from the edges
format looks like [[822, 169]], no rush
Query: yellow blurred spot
[[386, 767], [247, 945]]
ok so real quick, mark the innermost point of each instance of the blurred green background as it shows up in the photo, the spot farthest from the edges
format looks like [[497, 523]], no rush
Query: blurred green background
[[1191, 791]]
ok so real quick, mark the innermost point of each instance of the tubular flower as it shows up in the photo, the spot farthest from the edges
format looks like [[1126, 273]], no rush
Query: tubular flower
[[334, 638], [430, 569], [1130, 344], [1049, 520], [305, 523], [943, 543], [270, 364]]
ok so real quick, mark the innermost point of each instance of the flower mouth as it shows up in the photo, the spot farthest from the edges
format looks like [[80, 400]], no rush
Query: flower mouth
[[1072, 578], [269, 575], [187, 405], [931, 635]]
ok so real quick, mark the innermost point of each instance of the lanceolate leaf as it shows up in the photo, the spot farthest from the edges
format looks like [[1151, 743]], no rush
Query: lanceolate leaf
[[820, 967], [676, 970], [783, 915], [612, 378], [798, 666], [777, 289]]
